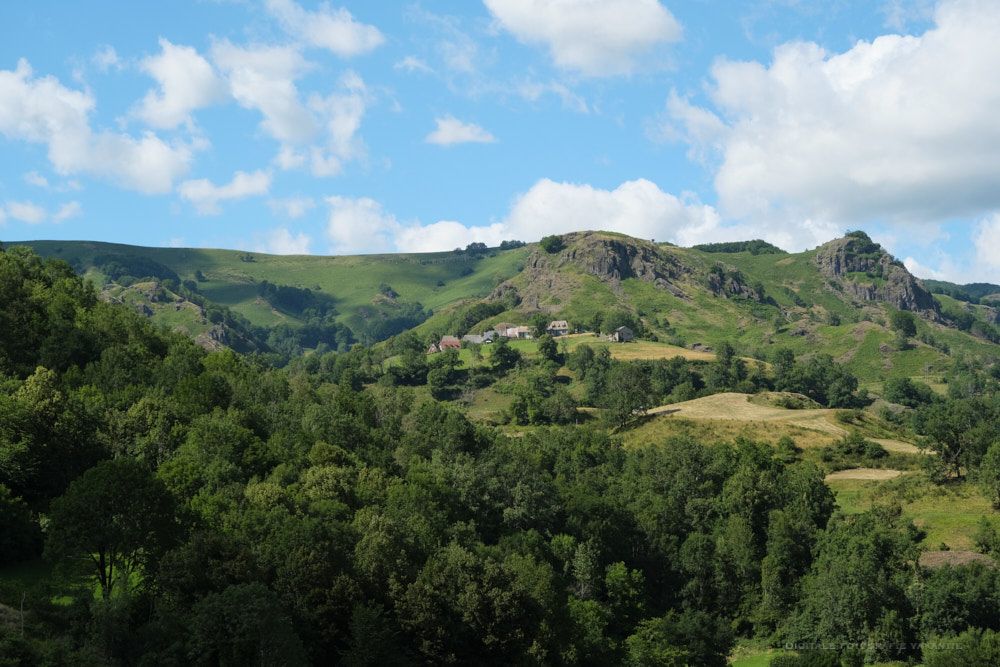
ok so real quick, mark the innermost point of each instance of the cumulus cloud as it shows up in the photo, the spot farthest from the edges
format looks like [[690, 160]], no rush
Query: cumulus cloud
[[592, 37], [263, 78], [322, 132], [206, 196], [34, 214], [921, 271], [293, 207], [447, 234], [26, 211], [360, 225], [638, 208], [67, 211], [42, 110], [36, 179], [987, 240], [187, 82], [340, 113], [898, 129], [331, 29], [280, 241], [106, 58], [450, 131]]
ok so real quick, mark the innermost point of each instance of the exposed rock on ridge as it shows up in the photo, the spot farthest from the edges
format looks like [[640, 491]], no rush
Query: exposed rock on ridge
[[840, 258], [608, 258]]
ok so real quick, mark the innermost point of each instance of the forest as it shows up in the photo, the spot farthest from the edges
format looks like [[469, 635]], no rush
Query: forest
[[197, 508]]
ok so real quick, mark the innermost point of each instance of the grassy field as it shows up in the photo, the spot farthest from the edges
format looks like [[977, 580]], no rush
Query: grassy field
[[949, 513], [434, 280]]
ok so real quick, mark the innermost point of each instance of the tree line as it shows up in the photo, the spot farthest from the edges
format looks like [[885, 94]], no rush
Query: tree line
[[211, 509]]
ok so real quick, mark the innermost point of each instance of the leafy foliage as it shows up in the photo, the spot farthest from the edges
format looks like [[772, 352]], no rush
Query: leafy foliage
[[755, 247]]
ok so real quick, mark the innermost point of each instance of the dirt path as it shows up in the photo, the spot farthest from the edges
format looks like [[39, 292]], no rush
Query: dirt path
[[864, 473]]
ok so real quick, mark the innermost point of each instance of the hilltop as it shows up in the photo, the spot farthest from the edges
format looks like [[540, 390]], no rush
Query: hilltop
[[681, 497], [839, 299]]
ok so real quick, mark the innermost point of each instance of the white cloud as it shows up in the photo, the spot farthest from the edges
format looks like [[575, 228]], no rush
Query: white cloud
[[39, 181], [106, 58], [331, 29], [67, 211], [289, 158], [360, 225], [593, 37], [638, 208], [27, 211], [450, 131], [36, 179], [987, 240], [341, 113], [280, 241], [294, 207], [446, 235], [206, 196], [921, 271], [3, 216], [44, 111], [187, 82], [532, 90], [413, 64], [263, 78], [899, 129]]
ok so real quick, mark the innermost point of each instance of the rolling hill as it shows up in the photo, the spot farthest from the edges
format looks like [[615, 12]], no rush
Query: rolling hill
[[837, 299]]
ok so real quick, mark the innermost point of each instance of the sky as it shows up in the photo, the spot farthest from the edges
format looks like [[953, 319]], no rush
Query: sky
[[330, 128]]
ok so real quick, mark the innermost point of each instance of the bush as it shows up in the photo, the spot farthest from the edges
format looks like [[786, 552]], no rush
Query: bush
[[552, 244]]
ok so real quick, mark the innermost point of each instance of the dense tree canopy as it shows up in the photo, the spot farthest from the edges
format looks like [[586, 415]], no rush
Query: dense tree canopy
[[344, 510]]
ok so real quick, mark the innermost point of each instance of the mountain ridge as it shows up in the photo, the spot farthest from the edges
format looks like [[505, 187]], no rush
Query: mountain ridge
[[810, 301]]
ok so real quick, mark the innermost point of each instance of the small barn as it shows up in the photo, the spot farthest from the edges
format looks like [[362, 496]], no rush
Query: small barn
[[622, 335]]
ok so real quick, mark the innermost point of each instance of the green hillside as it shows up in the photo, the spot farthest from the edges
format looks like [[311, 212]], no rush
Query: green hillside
[[838, 299], [539, 501]]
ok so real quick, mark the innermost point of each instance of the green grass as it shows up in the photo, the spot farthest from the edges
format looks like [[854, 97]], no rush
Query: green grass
[[948, 513], [753, 657], [37, 577], [435, 281]]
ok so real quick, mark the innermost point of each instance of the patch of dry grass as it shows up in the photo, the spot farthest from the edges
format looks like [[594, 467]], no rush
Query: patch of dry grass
[[864, 474], [738, 407], [658, 429], [640, 349]]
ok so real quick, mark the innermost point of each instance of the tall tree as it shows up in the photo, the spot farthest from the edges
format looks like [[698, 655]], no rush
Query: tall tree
[[118, 517]]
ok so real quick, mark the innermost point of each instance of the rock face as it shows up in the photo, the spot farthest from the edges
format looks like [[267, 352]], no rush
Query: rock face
[[867, 273], [607, 258], [613, 260]]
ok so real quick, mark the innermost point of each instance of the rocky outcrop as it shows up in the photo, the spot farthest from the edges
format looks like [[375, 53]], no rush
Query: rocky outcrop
[[609, 258], [612, 259], [865, 272], [216, 338]]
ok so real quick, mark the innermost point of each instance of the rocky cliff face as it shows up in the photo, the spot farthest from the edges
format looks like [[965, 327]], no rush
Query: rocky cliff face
[[868, 273], [608, 258]]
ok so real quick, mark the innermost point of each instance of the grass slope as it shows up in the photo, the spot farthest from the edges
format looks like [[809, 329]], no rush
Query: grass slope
[[435, 280], [801, 309]]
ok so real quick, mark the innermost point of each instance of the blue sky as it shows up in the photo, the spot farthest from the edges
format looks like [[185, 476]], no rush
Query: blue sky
[[356, 127]]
